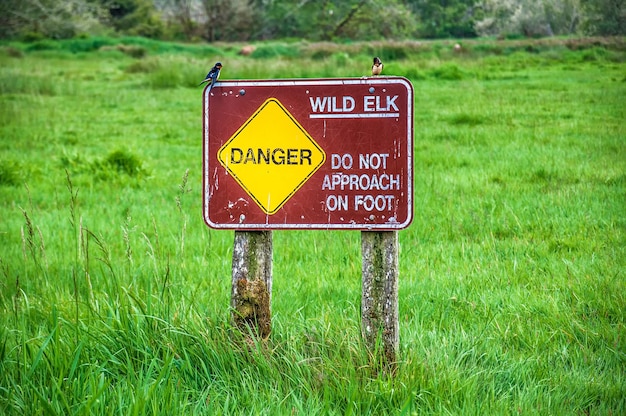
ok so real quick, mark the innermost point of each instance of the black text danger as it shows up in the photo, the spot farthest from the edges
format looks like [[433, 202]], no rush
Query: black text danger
[[277, 156]]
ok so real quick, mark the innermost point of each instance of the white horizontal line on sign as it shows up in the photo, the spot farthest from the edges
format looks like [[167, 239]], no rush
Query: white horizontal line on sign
[[356, 115]]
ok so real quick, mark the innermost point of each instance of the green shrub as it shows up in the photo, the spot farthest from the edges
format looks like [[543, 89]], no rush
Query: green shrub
[[486, 48], [466, 119], [133, 51], [167, 72], [593, 55], [321, 50], [448, 72], [12, 52], [124, 162], [411, 72], [9, 173], [165, 77], [276, 51], [24, 84], [115, 164], [395, 52], [30, 36], [207, 50], [74, 163], [160, 47], [145, 66], [87, 44], [340, 58], [43, 45]]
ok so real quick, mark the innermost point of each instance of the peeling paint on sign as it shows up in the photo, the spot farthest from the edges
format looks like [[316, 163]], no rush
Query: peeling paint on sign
[[309, 153]]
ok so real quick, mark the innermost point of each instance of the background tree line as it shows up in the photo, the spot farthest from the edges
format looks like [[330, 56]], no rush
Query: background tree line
[[315, 20]]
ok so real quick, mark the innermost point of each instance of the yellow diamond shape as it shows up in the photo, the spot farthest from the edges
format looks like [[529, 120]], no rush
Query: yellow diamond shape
[[271, 156]]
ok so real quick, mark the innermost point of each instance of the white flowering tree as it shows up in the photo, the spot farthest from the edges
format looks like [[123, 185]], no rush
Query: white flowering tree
[[528, 17]]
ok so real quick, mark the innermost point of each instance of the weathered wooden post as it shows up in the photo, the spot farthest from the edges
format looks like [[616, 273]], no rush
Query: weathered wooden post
[[252, 282], [379, 300]]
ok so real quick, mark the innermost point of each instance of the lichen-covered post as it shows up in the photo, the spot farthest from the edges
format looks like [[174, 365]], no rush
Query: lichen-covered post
[[252, 282], [379, 301]]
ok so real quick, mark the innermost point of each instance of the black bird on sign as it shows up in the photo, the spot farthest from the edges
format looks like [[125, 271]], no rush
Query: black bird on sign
[[213, 75], [377, 68]]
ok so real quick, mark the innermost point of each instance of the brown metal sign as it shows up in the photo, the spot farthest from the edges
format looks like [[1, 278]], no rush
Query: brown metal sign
[[309, 153]]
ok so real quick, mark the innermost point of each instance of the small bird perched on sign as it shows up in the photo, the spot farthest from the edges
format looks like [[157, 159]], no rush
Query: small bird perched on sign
[[213, 75], [377, 68]]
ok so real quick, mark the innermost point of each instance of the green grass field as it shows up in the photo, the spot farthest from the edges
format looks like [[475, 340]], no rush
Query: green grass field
[[114, 295]]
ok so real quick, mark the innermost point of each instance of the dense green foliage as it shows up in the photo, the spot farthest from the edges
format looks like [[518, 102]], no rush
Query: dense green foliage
[[315, 20], [114, 294]]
